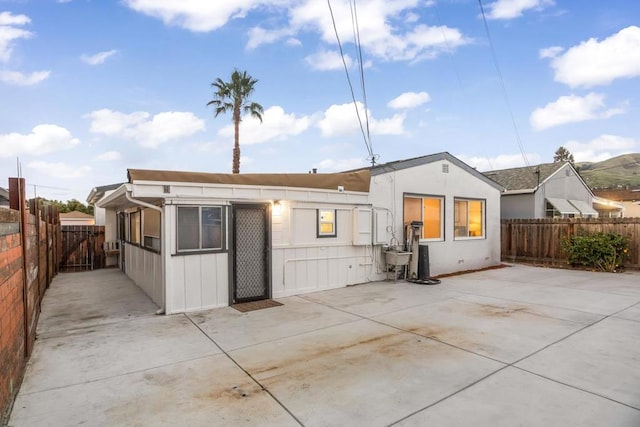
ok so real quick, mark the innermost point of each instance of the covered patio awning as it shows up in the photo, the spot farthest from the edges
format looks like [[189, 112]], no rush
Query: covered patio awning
[[563, 206], [584, 207]]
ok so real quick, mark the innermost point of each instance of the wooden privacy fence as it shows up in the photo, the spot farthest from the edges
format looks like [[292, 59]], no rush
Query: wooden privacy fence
[[82, 248], [540, 240], [30, 247]]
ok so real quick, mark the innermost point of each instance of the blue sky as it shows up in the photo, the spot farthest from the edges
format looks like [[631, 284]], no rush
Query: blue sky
[[90, 88]]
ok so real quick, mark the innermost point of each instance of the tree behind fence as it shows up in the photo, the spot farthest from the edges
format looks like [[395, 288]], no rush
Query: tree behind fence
[[540, 240]]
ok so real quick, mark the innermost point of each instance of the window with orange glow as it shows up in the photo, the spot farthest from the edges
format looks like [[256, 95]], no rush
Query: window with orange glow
[[469, 218], [430, 211]]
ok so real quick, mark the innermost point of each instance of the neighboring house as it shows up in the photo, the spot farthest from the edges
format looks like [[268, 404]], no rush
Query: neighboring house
[[4, 198], [629, 199], [76, 218], [193, 241], [96, 194], [549, 190]]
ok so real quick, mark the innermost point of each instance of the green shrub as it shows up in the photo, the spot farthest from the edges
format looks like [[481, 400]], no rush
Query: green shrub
[[601, 251]]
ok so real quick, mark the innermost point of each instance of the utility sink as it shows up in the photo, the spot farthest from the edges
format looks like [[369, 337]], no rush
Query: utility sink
[[397, 257]]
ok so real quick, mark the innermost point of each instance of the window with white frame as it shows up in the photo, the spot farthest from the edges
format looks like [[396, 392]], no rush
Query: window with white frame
[[429, 210], [469, 219], [200, 228], [326, 226]]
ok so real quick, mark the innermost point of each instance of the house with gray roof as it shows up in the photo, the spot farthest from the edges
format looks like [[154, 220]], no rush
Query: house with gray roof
[[549, 190], [196, 240]]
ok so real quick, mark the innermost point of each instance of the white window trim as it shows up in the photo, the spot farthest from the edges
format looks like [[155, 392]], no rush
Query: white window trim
[[429, 196], [484, 218]]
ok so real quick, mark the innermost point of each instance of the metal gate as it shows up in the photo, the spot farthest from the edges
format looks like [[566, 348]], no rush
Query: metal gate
[[251, 266], [82, 247]]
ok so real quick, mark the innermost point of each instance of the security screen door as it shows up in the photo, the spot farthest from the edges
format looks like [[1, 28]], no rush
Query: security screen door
[[251, 267]]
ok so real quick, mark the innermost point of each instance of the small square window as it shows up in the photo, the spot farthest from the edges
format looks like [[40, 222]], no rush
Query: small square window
[[326, 226]]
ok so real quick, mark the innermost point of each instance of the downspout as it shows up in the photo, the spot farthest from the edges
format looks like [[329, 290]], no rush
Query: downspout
[[127, 194]]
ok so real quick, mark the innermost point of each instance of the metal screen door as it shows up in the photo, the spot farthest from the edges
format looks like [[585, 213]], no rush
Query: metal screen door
[[251, 268]]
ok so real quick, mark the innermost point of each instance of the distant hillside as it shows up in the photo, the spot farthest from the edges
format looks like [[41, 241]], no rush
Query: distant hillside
[[621, 170]]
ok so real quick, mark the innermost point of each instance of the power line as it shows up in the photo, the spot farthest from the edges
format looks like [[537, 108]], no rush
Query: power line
[[504, 88], [358, 44], [346, 69]]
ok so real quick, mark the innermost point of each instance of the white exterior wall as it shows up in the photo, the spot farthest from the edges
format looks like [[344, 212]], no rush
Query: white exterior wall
[[450, 255], [302, 262], [518, 206], [145, 269], [194, 281]]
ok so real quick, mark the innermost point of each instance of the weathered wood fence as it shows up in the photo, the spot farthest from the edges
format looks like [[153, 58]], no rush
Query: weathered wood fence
[[30, 247], [82, 248], [540, 240]]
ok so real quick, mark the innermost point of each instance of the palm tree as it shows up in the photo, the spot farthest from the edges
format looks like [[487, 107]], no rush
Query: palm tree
[[234, 96]]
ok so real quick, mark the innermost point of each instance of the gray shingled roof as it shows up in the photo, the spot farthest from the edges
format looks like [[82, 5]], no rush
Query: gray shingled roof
[[524, 178]]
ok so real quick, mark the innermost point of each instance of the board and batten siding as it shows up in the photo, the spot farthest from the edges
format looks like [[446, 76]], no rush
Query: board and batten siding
[[194, 281], [303, 262], [145, 269], [449, 255]]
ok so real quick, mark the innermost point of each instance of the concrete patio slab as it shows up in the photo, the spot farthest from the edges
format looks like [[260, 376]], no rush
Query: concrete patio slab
[[561, 297], [512, 397], [211, 391], [374, 299], [103, 358], [603, 359], [501, 331], [361, 372], [113, 349], [539, 309], [632, 313], [231, 329], [91, 298]]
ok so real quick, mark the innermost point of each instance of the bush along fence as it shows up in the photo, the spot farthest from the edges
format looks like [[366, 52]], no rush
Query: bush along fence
[[596, 243], [30, 247]]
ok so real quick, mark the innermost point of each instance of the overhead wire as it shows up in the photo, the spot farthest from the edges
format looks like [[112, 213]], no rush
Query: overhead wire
[[346, 69], [358, 45], [353, 97], [503, 86]]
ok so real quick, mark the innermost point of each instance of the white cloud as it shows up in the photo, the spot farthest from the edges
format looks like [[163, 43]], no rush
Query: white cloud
[[509, 9], [21, 79], [571, 109], [146, 130], [199, 16], [550, 52], [259, 36], [98, 58], [379, 21], [601, 148], [276, 125], [594, 62], [60, 170], [9, 32], [342, 120], [333, 165], [379, 34], [109, 156], [326, 60], [409, 100], [43, 139], [502, 161]]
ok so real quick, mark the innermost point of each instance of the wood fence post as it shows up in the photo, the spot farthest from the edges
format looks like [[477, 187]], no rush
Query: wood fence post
[[17, 201]]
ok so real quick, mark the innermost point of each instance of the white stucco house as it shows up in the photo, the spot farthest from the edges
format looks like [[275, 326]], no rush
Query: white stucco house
[[194, 241]]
